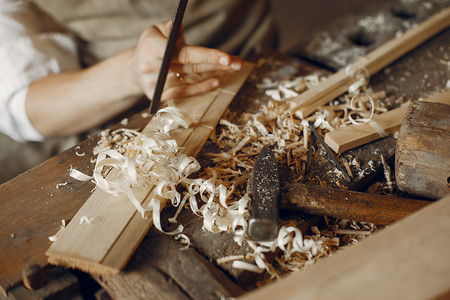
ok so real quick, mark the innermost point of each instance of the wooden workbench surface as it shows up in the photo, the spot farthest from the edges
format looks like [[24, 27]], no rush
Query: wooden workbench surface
[[33, 204]]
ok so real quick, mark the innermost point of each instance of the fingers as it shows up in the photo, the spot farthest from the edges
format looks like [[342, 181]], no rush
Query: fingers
[[191, 78], [199, 68], [192, 55], [187, 90], [183, 84], [189, 59]]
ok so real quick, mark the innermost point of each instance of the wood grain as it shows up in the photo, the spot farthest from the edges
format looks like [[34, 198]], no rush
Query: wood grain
[[377, 209], [160, 258], [408, 260], [422, 165], [335, 85], [32, 210], [105, 246]]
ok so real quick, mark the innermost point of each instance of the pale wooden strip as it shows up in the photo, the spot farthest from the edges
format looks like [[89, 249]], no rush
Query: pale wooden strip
[[196, 106], [135, 231], [332, 87], [345, 138], [128, 240], [106, 247], [86, 245], [107, 231], [307, 102], [443, 98], [232, 85], [408, 260], [395, 48]]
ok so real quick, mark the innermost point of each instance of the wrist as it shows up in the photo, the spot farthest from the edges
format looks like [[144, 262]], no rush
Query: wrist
[[129, 72]]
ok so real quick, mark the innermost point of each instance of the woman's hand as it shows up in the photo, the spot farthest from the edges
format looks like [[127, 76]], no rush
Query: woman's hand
[[72, 102], [194, 70]]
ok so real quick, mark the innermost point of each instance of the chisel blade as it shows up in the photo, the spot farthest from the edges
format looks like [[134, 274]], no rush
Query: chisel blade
[[167, 58], [265, 195]]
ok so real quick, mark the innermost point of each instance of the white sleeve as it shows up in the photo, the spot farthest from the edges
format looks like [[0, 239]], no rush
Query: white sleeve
[[28, 52]]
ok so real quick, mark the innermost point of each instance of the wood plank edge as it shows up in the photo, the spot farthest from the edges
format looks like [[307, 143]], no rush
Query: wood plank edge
[[363, 137], [84, 265], [113, 266], [441, 98]]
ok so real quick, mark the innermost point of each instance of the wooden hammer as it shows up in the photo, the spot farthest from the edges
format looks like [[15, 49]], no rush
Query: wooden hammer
[[372, 208]]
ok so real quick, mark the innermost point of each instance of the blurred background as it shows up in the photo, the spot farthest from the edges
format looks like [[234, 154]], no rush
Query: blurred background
[[300, 19]]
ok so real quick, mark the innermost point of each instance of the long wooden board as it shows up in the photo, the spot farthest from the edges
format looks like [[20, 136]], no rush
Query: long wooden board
[[159, 258], [32, 209], [408, 260], [307, 102], [105, 246]]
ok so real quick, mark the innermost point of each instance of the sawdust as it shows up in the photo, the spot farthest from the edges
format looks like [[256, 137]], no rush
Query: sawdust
[[239, 138]]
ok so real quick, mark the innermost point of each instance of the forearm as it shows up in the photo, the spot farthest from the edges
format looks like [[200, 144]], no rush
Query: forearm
[[72, 102]]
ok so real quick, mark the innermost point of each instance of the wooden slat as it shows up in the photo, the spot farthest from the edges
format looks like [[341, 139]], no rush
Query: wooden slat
[[349, 137], [307, 102], [443, 98], [158, 258], [105, 246], [408, 260]]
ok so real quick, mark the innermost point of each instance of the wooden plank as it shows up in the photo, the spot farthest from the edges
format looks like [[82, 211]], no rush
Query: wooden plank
[[32, 209], [160, 258], [408, 260], [60, 284], [105, 246], [422, 165], [377, 209], [307, 102], [349, 137]]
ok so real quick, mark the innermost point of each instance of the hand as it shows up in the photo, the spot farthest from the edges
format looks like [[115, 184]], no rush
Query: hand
[[194, 70]]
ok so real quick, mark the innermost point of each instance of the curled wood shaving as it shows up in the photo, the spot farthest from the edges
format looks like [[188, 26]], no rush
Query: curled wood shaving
[[184, 239], [85, 219], [61, 184], [220, 195]]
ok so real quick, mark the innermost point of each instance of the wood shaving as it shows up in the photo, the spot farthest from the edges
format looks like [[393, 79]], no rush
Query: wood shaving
[[85, 219], [183, 239], [61, 184], [220, 193], [62, 227], [80, 154]]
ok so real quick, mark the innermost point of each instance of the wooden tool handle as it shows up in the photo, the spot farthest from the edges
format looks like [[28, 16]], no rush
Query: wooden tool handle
[[422, 165], [378, 209]]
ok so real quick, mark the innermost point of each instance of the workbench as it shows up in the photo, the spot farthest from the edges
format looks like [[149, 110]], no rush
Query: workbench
[[34, 204]]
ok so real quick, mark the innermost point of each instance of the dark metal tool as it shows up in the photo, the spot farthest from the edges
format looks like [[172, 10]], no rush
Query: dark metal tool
[[315, 135], [168, 54], [265, 196]]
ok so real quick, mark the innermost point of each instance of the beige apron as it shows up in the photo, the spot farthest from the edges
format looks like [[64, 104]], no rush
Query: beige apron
[[107, 27]]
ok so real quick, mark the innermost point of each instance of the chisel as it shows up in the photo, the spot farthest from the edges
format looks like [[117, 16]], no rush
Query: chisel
[[167, 58]]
